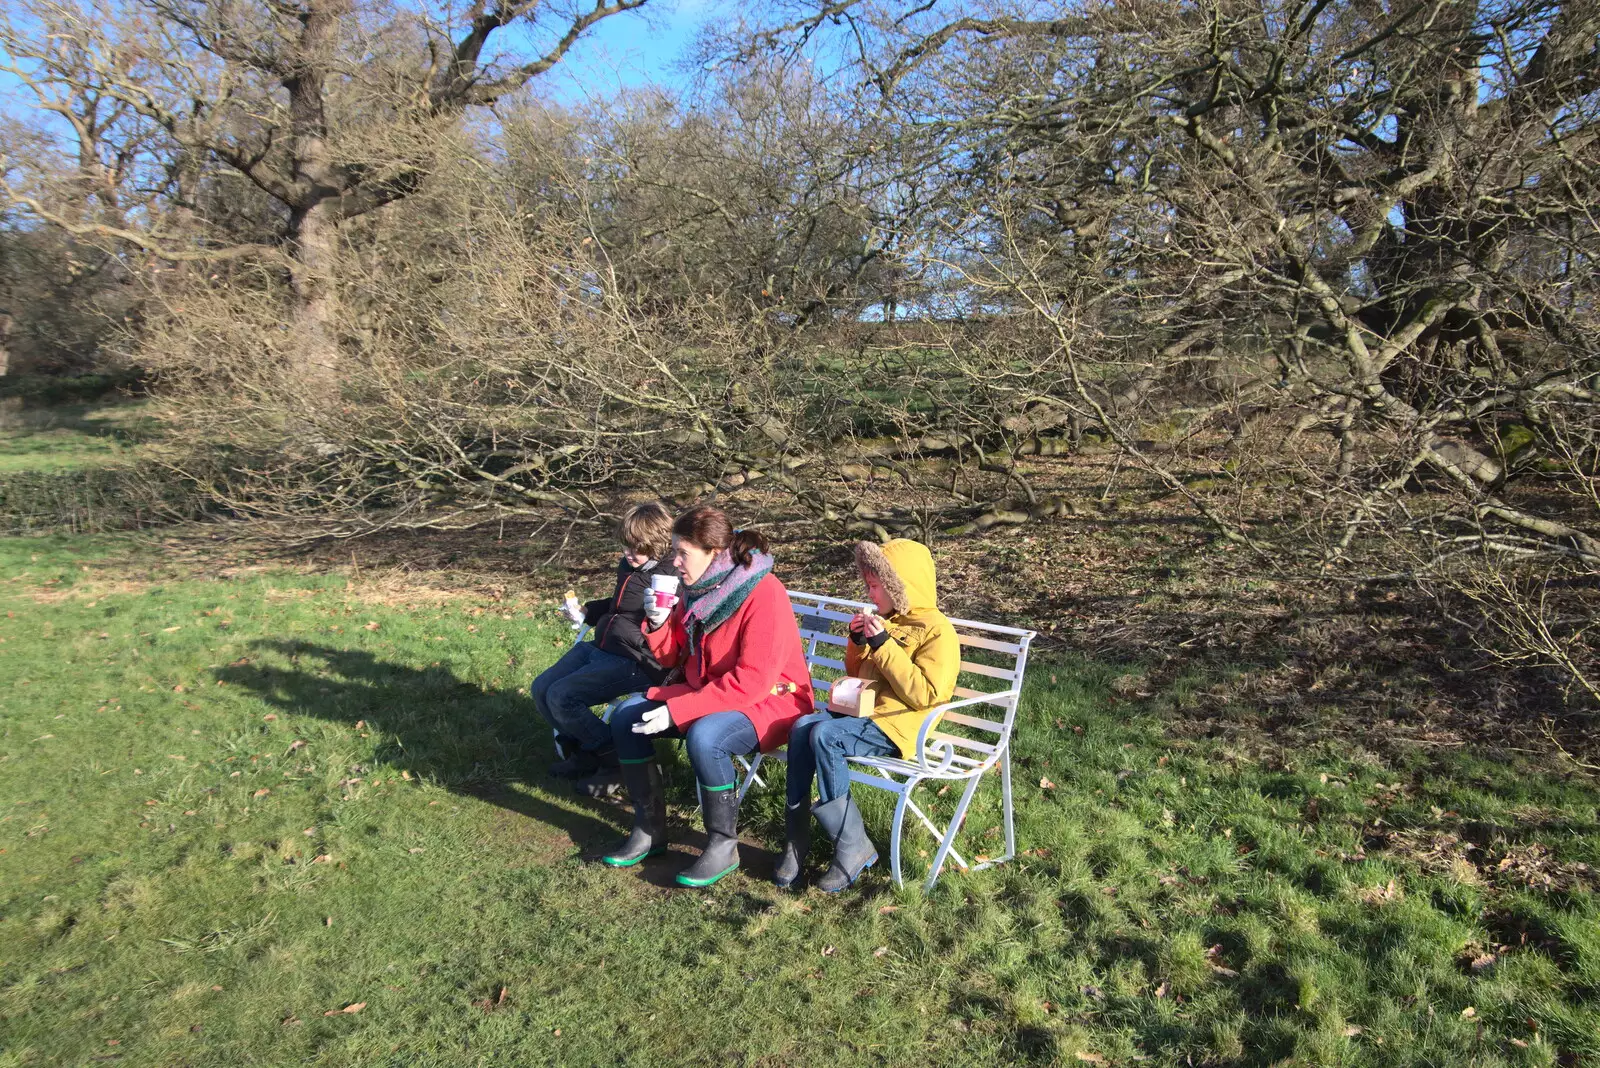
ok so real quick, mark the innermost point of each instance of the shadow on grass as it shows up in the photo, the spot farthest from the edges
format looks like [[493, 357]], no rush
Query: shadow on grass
[[477, 742]]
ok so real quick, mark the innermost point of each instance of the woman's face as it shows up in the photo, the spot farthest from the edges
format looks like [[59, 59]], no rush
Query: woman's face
[[690, 559], [878, 595]]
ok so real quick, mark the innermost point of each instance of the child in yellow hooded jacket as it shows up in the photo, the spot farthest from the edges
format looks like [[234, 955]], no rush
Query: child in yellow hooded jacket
[[911, 652]]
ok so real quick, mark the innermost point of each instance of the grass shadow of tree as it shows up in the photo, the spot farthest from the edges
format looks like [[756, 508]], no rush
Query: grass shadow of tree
[[474, 741]]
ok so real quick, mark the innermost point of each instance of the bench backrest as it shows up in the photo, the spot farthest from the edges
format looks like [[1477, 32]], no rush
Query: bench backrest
[[993, 661]]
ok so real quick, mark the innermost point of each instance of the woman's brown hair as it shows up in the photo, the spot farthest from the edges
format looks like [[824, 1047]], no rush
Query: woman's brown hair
[[711, 529]]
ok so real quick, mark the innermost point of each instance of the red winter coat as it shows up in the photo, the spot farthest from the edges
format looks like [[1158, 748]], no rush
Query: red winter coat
[[753, 663]]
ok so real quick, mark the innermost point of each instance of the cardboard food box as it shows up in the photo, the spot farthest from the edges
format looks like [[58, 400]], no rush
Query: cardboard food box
[[851, 697]]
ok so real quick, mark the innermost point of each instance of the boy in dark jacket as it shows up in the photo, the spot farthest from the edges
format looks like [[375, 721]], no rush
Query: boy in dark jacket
[[616, 661]]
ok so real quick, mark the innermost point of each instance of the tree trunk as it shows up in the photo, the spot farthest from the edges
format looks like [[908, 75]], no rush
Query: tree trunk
[[314, 345]]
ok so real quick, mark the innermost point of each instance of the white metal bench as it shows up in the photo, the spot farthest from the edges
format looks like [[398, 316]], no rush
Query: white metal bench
[[943, 755], [962, 747]]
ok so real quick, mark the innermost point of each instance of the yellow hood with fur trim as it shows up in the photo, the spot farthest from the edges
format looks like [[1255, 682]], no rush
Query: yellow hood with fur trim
[[916, 669]]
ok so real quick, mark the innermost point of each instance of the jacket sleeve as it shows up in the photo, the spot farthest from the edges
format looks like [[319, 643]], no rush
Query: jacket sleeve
[[926, 676], [852, 657], [669, 642], [595, 610], [757, 665]]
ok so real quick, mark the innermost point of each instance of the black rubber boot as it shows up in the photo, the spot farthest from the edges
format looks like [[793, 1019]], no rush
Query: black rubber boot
[[797, 841], [721, 811], [649, 835], [853, 852]]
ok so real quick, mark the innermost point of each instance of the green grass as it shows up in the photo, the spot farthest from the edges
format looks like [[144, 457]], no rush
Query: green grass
[[71, 437], [162, 900]]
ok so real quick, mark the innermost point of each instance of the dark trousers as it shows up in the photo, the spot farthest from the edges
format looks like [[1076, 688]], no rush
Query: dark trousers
[[584, 677]]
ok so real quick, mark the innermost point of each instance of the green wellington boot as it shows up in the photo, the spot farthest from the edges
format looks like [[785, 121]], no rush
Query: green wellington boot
[[649, 835], [721, 856]]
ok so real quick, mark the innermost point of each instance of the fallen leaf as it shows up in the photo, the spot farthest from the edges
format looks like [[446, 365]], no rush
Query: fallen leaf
[[322, 858], [360, 724], [263, 792], [880, 951], [269, 717], [1352, 1031], [406, 775], [169, 630], [414, 849], [1468, 1013], [886, 909], [372, 624], [1480, 963], [1091, 1058], [290, 1020], [298, 743], [1161, 991], [1046, 784], [828, 951]]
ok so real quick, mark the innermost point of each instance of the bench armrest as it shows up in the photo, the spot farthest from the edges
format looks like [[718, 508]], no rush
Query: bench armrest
[[933, 716]]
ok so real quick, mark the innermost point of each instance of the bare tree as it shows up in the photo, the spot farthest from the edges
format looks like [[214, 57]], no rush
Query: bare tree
[[332, 108]]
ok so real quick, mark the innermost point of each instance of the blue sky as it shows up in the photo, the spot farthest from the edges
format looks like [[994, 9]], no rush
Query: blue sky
[[634, 49]]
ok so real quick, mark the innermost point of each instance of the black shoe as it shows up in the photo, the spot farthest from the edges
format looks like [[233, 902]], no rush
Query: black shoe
[[797, 841], [580, 764], [649, 835], [853, 851], [607, 782], [583, 763], [721, 811]]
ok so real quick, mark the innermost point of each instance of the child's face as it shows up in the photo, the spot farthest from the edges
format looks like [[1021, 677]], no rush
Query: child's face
[[690, 559], [878, 595], [634, 557]]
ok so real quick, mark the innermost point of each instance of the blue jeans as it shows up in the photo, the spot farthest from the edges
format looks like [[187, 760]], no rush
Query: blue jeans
[[585, 676], [713, 741], [818, 745]]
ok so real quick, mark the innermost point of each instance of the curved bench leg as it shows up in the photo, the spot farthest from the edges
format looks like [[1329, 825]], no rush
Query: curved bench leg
[[949, 840], [751, 778], [896, 828]]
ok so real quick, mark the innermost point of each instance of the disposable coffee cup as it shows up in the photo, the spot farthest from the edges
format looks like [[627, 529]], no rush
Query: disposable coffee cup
[[665, 588]]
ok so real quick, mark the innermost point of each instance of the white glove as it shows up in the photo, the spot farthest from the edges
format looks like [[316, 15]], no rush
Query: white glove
[[657, 615], [654, 721]]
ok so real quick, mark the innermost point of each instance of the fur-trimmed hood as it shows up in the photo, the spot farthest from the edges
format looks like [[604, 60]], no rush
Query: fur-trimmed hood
[[905, 568]]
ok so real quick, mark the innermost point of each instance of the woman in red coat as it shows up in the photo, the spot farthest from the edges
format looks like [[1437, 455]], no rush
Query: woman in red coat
[[738, 681]]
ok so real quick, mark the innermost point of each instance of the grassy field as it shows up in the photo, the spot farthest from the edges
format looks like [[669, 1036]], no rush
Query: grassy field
[[70, 437], [261, 816]]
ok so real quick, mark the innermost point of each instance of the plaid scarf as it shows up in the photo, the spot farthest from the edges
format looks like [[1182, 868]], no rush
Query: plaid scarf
[[719, 592]]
